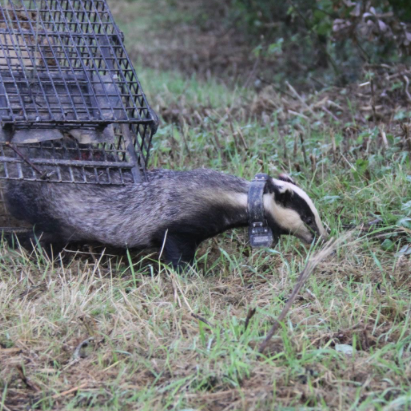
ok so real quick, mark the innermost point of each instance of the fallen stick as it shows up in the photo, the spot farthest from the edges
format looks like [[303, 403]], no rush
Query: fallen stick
[[301, 100], [384, 138], [64, 393], [250, 315], [312, 263], [407, 83], [199, 318], [329, 113]]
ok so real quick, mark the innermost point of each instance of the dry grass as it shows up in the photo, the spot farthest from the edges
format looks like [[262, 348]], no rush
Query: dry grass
[[97, 335]]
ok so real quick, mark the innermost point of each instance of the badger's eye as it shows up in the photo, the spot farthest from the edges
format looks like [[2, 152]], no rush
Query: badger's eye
[[308, 220]]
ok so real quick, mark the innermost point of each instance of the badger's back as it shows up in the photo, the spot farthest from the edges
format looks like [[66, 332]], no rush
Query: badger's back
[[136, 215]]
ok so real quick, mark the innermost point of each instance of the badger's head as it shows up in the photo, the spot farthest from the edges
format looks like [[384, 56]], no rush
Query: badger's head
[[290, 211]]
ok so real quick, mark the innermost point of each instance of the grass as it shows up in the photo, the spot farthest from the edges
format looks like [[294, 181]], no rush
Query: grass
[[146, 351]]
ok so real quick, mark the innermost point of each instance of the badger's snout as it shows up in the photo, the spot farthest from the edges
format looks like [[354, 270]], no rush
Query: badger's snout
[[319, 235], [307, 233], [313, 237], [308, 236]]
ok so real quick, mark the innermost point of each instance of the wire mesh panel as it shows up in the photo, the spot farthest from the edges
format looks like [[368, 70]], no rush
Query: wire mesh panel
[[67, 161], [64, 159], [64, 70], [9, 224], [64, 62]]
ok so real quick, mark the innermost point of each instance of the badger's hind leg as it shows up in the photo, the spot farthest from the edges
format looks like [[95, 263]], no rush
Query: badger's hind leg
[[179, 250]]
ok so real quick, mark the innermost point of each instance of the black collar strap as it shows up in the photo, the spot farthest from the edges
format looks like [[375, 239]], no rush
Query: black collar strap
[[260, 234]]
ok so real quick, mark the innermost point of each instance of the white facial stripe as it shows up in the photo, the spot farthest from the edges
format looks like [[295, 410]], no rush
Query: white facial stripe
[[307, 199], [287, 218]]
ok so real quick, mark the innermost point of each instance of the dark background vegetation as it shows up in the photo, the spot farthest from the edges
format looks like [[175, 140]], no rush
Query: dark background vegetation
[[328, 39], [316, 43]]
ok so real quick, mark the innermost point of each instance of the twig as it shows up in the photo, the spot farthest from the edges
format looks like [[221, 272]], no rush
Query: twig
[[174, 281], [184, 135], [407, 83], [66, 250], [313, 163], [197, 317], [270, 83], [303, 148], [240, 133], [329, 113], [250, 315], [217, 140], [43, 175], [374, 114], [333, 145], [257, 61], [283, 143], [234, 135], [64, 393], [406, 134], [312, 263], [384, 138], [332, 103], [163, 245], [295, 113], [295, 149], [363, 53], [27, 381], [365, 227], [301, 100]]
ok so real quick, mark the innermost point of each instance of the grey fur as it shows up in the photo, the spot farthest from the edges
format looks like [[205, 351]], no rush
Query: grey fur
[[126, 215], [185, 207]]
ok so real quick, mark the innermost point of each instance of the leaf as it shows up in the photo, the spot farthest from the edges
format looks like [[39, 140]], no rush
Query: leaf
[[401, 115], [406, 250], [383, 27], [390, 138], [387, 245], [404, 222], [362, 165], [276, 48], [330, 199], [406, 207], [257, 50], [344, 348]]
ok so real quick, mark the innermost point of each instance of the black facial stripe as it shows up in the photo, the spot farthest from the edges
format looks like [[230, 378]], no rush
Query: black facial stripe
[[299, 205]]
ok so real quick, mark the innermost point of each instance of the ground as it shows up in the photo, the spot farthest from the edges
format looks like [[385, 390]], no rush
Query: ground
[[92, 331]]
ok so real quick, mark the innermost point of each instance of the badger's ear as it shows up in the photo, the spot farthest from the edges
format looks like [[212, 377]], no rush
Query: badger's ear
[[287, 178], [282, 192]]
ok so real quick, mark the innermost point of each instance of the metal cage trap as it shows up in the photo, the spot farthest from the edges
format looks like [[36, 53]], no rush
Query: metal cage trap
[[71, 107]]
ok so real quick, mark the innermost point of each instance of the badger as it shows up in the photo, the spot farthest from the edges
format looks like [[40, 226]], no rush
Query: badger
[[173, 210]]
